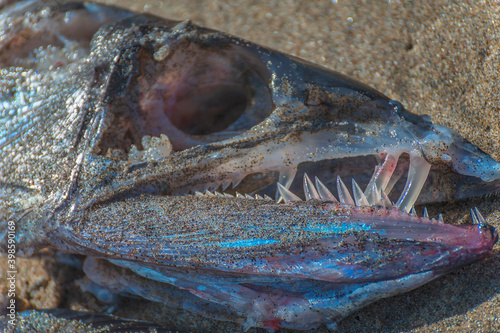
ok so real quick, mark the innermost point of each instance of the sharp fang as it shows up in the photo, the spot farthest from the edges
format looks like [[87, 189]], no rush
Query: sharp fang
[[224, 186], [309, 189], [475, 220], [358, 194], [323, 191], [382, 173], [249, 196], [343, 193], [218, 194], [480, 216], [425, 215], [374, 196], [440, 218], [417, 175], [413, 212], [208, 193], [237, 182], [239, 195], [286, 194], [385, 200], [227, 195], [267, 198], [198, 194], [258, 197], [285, 179]]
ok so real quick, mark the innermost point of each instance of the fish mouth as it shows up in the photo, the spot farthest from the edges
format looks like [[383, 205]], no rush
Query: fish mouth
[[220, 104]]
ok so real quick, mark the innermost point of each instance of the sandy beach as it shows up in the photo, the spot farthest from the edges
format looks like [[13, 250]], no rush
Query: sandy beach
[[440, 58]]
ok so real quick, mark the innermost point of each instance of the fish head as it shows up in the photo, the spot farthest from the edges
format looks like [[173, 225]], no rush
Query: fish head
[[186, 109]]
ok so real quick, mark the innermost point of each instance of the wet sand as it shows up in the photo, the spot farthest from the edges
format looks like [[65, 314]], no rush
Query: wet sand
[[440, 58]]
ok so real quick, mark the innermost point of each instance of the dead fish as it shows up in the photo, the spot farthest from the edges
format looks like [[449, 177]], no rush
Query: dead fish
[[176, 158]]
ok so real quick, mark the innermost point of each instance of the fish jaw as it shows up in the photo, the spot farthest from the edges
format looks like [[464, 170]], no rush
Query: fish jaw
[[317, 265], [300, 115]]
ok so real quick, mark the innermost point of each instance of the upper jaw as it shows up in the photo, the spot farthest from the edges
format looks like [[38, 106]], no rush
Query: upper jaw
[[307, 115]]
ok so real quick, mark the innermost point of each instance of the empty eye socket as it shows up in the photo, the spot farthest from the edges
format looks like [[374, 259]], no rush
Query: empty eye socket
[[203, 91], [209, 109], [195, 95]]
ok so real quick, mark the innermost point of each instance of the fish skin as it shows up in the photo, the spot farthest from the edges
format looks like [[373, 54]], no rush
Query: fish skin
[[70, 208]]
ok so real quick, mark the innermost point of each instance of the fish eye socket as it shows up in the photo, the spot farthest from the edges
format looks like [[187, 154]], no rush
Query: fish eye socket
[[203, 91], [194, 95], [209, 108]]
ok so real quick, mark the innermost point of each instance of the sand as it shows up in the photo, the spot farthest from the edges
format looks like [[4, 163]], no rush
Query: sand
[[440, 58]]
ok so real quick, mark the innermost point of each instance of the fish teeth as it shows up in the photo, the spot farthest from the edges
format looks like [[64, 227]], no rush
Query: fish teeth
[[373, 195], [479, 216], [285, 179], [309, 189], [417, 175], [413, 212], [385, 200], [383, 173], [237, 181], [225, 185], [267, 198], [425, 215], [475, 219], [324, 192], [343, 193], [359, 196], [287, 195]]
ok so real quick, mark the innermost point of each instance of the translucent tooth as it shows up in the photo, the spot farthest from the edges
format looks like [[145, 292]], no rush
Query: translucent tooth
[[323, 191], [267, 198], [417, 175], [413, 212], [475, 220], [440, 218], [258, 197], [309, 189], [343, 193], [237, 181], [198, 194], [225, 185], [480, 216], [208, 193], [374, 196], [227, 195], [286, 194], [249, 196], [385, 200], [425, 215], [285, 179], [382, 174], [239, 195], [358, 194], [396, 175], [218, 194]]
